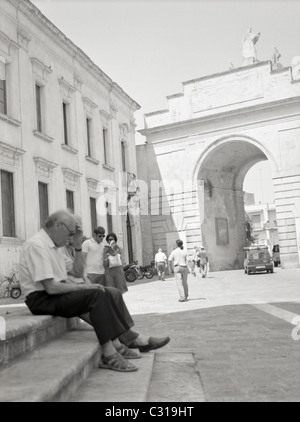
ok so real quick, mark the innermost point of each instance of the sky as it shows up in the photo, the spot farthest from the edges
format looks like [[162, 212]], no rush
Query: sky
[[149, 47]]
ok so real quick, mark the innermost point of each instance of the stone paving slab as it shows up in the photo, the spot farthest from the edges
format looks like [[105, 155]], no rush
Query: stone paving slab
[[175, 379], [104, 385]]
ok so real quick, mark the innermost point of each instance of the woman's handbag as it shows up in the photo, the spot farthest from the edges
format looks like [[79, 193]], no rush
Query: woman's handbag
[[114, 261]]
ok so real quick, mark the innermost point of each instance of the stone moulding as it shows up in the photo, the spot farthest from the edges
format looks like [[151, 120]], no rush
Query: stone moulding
[[40, 71], [44, 167], [10, 155], [89, 105], [67, 89], [71, 176], [93, 185]]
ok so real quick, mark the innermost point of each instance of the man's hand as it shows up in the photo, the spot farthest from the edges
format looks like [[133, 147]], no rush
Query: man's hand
[[95, 286]]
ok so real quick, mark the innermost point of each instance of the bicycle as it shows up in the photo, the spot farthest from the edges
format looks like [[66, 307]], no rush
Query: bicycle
[[10, 286]]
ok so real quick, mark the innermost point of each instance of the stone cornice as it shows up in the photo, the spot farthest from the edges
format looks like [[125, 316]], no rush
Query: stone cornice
[[223, 115], [89, 105], [93, 184], [9, 154], [235, 70], [40, 70], [67, 89], [44, 167], [105, 117], [71, 176]]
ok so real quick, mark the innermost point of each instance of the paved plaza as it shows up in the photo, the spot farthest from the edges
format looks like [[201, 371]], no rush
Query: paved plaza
[[236, 330], [236, 339]]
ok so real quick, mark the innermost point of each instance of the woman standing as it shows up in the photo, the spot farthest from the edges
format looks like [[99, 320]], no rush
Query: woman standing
[[114, 273]]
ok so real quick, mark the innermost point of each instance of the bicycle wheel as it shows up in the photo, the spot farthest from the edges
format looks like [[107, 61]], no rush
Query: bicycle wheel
[[15, 292]]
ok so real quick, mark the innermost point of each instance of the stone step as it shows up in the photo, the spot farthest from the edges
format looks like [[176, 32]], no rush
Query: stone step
[[22, 332], [53, 371], [103, 385]]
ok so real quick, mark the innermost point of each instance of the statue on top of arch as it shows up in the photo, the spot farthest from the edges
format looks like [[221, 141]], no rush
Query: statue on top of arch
[[275, 60], [248, 47]]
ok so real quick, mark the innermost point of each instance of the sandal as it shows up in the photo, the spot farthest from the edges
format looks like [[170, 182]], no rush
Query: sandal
[[128, 353], [117, 362]]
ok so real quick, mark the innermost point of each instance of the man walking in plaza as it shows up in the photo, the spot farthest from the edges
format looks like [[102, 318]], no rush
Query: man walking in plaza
[[160, 264], [203, 262], [92, 250], [179, 259]]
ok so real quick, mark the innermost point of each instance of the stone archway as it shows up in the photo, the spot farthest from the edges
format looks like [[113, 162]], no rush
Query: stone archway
[[223, 167]]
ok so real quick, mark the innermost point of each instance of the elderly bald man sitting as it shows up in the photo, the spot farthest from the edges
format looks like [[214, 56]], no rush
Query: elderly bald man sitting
[[43, 276]]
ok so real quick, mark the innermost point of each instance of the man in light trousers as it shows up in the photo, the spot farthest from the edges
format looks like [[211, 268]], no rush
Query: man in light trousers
[[179, 259]]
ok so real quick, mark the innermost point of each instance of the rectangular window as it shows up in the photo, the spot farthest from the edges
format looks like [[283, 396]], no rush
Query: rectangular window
[[256, 220], [88, 137], [3, 105], [70, 200], [38, 107], [43, 203], [65, 122], [222, 235], [109, 217], [105, 145], [123, 154], [7, 200], [93, 213]]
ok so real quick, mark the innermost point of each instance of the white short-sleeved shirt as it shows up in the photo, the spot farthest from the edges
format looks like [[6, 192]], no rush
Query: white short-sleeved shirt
[[160, 257], [94, 257], [40, 259], [179, 257]]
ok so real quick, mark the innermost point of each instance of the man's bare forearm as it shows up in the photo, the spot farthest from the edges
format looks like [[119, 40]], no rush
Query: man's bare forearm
[[55, 288], [78, 264]]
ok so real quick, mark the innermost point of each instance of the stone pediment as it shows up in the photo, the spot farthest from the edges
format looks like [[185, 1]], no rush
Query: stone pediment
[[40, 70], [44, 167], [10, 155]]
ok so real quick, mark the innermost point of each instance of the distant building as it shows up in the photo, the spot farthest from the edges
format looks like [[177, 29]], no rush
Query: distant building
[[67, 136], [264, 224]]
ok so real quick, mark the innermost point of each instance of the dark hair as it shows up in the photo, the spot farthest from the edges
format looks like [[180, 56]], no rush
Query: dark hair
[[99, 230], [179, 243], [113, 235]]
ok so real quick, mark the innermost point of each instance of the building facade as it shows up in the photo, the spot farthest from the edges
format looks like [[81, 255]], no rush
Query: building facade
[[67, 136], [264, 224], [201, 147]]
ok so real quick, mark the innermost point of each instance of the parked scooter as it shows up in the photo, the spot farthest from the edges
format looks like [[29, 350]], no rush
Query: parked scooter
[[134, 271], [144, 271], [130, 273]]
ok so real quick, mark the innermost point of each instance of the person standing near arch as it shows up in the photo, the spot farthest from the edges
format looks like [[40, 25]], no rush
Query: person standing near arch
[[179, 259]]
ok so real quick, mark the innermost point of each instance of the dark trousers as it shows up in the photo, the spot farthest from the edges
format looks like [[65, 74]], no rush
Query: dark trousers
[[107, 310]]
